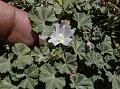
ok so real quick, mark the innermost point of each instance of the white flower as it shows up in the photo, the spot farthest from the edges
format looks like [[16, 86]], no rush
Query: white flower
[[61, 35]]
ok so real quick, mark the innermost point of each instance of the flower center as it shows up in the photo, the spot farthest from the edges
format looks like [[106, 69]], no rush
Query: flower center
[[60, 38]]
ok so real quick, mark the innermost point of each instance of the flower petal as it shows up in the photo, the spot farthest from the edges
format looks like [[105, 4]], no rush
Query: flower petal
[[59, 28], [67, 41], [54, 41], [54, 35], [68, 32]]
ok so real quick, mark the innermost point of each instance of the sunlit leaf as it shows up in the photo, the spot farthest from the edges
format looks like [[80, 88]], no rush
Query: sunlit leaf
[[40, 16], [40, 54], [31, 1], [83, 20], [32, 71], [70, 64], [47, 75], [23, 56], [22, 61], [28, 83], [67, 3], [79, 47], [106, 46], [5, 65], [6, 84], [59, 2], [81, 82], [109, 57], [16, 77], [21, 49], [57, 8], [94, 58], [90, 61], [115, 79]]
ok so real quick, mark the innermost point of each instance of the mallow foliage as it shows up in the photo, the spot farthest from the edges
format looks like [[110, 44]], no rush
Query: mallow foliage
[[78, 49]]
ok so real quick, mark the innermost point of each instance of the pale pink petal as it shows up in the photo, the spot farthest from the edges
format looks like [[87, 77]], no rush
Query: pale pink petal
[[68, 32], [59, 28], [67, 41], [54, 41], [54, 35]]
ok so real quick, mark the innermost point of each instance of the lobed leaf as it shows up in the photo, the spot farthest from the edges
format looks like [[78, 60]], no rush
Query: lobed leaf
[[70, 64], [83, 20], [28, 83], [32, 71], [21, 49], [40, 54], [115, 79], [81, 82], [47, 75], [6, 84], [40, 16], [94, 58], [22, 61], [79, 47], [5, 65], [105, 46]]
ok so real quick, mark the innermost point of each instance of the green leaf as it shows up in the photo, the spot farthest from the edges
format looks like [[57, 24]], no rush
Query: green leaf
[[5, 65], [28, 83], [32, 71], [83, 20], [46, 14], [23, 56], [59, 2], [21, 49], [79, 47], [40, 54], [97, 81], [16, 77], [115, 79], [94, 58], [56, 53], [67, 3], [57, 8], [6, 84], [94, 78], [70, 64], [81, 82], [105, 46], [109, 57], [85, 4], [22, 61], [31, 1], [47, 75], [40, 16]]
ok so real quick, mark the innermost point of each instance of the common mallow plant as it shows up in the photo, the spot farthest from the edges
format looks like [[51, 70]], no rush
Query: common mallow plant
[[61, 35]]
